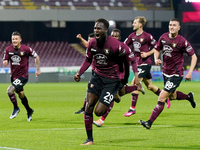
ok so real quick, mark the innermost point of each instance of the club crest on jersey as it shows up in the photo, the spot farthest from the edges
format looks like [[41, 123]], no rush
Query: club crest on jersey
[[91, 85], [21, 53], [141, 40], [174, 45], [106, 51]]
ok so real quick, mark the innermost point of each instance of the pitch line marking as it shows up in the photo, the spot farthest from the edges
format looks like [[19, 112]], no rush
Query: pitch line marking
[[54, 129]]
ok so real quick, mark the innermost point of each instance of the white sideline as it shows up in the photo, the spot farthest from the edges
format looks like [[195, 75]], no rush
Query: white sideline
[[11, 148]]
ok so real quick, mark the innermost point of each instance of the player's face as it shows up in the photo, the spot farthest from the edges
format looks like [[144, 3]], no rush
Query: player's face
[[16, 40], [136, 24], [174, 27], [99, 30], [115, 35]]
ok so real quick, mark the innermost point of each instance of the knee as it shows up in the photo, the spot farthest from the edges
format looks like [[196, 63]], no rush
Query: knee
[[21, 95], [98, 113], [9, 91], [162, 98], [150, 87], [172, 97]]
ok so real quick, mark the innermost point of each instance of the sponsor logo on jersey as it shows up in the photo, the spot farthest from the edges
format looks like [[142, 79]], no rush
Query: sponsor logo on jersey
[[136, 46], [15, 60], [101, 59], [167, 50]]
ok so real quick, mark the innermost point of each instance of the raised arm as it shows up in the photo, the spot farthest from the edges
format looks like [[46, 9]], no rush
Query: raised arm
[[85, 43]]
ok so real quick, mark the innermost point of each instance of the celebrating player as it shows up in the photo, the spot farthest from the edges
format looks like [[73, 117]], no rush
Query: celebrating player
[[18, 56], [141, 42], [124, 67], [173, 46], [105, 52]]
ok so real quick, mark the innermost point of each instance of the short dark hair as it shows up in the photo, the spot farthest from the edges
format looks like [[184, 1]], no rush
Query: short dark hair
[[91, 35], [104, 21], [16, 33], [116, 30], [175, 19]]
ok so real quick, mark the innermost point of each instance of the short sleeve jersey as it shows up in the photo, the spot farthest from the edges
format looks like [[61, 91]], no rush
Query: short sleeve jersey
[[141, 43], [173, 53], [19, 60], [106, 59]]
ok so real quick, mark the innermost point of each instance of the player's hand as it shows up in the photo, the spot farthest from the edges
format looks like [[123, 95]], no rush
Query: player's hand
[[77, 77], [37, 73], [188, 77], [78, 36], [143, 54], [158, 62], [139, 85]]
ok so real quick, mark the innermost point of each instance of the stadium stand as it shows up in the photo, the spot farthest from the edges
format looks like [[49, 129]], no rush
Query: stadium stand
[[87, 4], [51, 54]]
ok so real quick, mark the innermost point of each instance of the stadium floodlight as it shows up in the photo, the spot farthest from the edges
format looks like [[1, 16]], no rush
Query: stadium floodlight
[[112, 23]]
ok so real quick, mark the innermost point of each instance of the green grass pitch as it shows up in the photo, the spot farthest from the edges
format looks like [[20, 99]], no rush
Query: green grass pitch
[[56, 127]]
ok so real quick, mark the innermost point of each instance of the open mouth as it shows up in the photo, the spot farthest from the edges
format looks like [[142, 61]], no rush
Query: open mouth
[[97, 36]]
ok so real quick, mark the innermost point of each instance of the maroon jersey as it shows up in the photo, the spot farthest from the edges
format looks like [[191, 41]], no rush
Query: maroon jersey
[[106, 59], [141, 43], [18, 59], [173, 50]]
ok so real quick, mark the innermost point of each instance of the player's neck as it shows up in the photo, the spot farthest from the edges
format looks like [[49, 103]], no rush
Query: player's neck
[[139, 31], [173, 35], [17, 46], [101, 41]]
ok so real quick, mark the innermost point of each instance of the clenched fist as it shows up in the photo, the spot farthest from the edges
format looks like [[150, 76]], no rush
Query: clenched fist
[[77, 77]]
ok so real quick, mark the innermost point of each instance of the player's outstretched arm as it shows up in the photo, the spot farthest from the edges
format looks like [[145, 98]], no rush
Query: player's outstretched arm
[[85, 43]]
